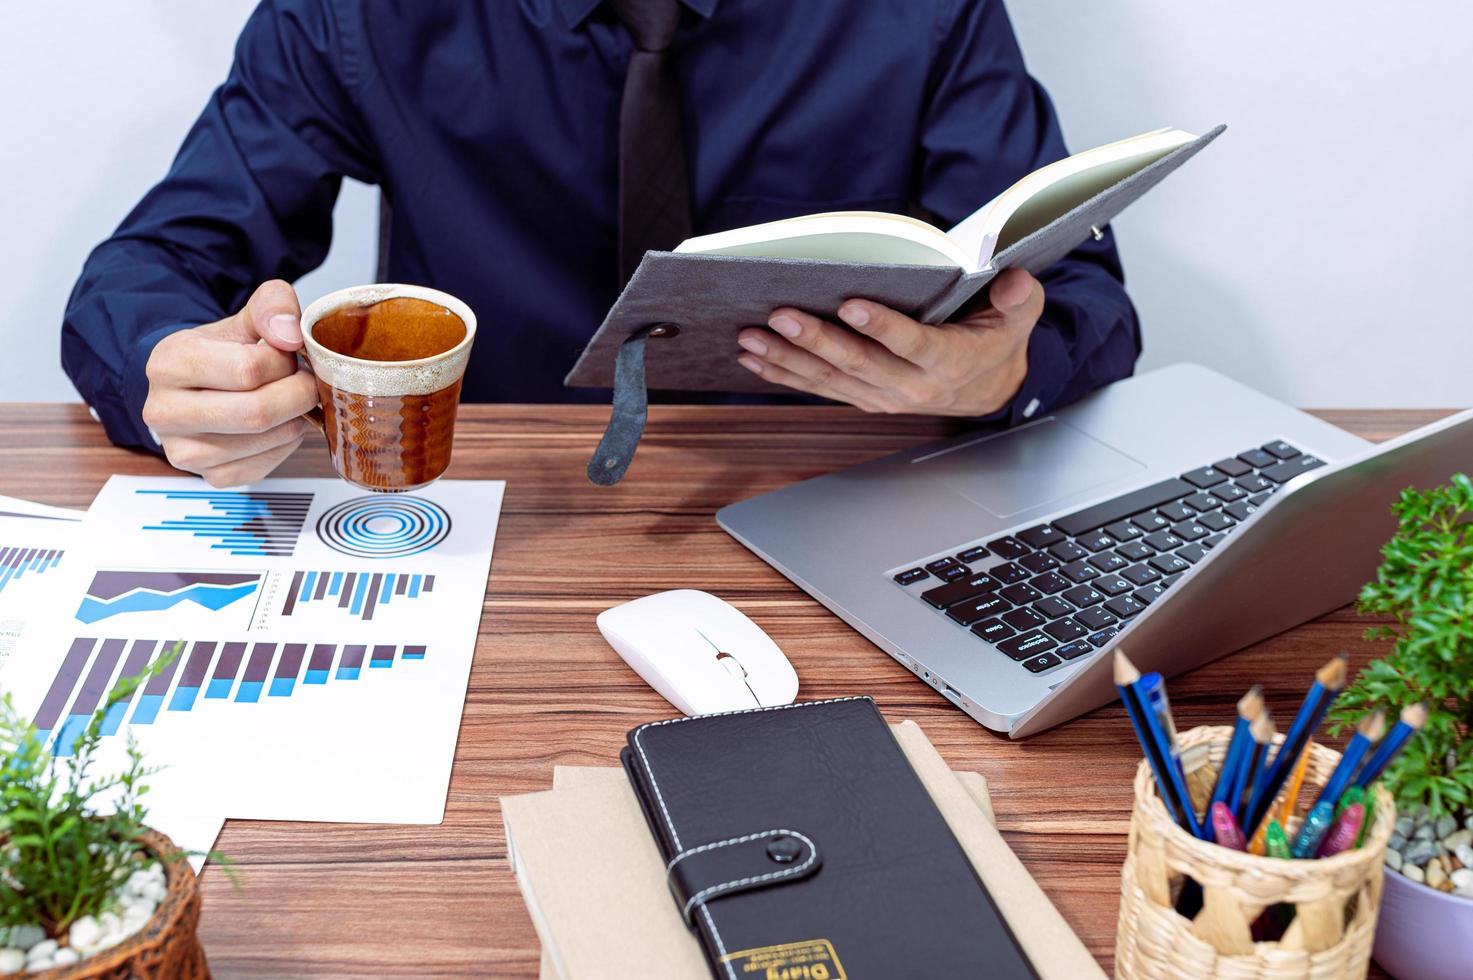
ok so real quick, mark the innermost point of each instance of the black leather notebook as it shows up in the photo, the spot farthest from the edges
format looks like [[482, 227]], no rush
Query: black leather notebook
[[800, 843]]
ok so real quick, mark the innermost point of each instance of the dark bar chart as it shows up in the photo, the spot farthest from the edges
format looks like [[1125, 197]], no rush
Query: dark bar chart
[[15, 563], [93, 666], [238, 522], [360, 594]]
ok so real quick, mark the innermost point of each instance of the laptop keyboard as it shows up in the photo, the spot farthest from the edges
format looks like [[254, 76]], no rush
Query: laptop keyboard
[[1054, 592]]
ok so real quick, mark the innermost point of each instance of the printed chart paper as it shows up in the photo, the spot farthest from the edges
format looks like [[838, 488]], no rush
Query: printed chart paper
[[324, 638], [33, 540]]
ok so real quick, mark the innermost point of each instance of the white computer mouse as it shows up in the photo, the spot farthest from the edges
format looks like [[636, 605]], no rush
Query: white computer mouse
[[699, 652]]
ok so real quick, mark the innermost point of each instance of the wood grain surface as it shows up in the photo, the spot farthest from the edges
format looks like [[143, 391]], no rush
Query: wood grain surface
[[361, 900]]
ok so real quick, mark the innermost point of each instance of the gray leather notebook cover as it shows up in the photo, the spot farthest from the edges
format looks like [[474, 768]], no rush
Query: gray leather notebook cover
[[711, 298]]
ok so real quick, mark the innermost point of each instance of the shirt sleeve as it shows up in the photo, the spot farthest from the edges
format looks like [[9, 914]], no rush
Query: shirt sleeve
[[986, 124], [249, 197]]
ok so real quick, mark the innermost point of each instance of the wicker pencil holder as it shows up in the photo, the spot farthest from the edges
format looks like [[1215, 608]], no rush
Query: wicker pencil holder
[[167, 948], [1335, 899]]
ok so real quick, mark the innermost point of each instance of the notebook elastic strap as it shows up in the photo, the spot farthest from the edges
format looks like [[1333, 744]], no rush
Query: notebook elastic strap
[[631, 407]]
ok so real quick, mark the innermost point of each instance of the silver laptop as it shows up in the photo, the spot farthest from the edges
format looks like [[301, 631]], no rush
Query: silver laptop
[[1178, 514]]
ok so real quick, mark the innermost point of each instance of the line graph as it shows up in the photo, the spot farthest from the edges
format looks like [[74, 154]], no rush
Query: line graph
[[114, 593]]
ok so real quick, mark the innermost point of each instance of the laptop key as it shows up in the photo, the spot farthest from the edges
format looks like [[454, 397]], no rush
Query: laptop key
[[1095, 618], [1290, 468], [1149, 594], [1232, 466], [1259, 499], [1065, 630], [1281, 449], [1113, 562], [1192, 552], [1009, 573], [1214, 540], [1205, 477], [1124, 606], [1240, 510], [1150, 521], [940, 564], [1093, 518], [1254, 482], [1103, 636], [1169, 564], [1096, 541], [1079, 571], [1131, 551], [911, 576], [1071, 650], [1164, 541], [1021, 594], [1140, 575], [1113, 584], [952, 572], [1229, 492], [1042, 662], [1190, 531], [972, 554], [1215, 521], [1027, 645], [1067, 551], [1123, 531], [993, 630], [974, 610], [1202, 502], [1049, 583], [1008, 548], [1038, 562], [1041, 536], [1176, 511], [1053, 607], [1024, 619], [1171, 580], [1083, 595], [954, 592], [1257, 458]]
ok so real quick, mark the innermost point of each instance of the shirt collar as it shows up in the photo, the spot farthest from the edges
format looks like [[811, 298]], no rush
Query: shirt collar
[[575, 12]]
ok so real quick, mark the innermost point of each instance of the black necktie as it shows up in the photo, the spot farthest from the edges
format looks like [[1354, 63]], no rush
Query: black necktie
[[654, 183]]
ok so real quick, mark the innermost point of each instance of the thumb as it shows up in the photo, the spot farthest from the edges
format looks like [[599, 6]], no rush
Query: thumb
[[1011, 290], [271, 314]]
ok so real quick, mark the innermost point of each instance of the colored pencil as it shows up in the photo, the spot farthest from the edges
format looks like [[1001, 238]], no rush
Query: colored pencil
[[1250, 706], [1413, 717], [1276, 842], [1153, 740], [1284, 808], [1225, 828], [1262, 730], [1344, 831], [1353, 795], [1329, 681], [1369, 731], [1316, 825]]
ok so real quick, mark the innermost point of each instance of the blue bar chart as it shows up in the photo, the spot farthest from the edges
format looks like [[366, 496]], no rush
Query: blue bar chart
[[358, 594], [204, 670], [15, 563], [236, 522]]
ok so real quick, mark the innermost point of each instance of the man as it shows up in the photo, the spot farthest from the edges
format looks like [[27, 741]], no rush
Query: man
[[494, 129]]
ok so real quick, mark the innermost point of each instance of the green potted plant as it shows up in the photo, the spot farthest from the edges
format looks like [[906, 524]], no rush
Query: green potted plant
[[1425, 585], [87, 890]]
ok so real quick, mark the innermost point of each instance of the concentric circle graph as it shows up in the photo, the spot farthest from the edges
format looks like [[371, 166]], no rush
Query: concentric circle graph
[[384, 527]]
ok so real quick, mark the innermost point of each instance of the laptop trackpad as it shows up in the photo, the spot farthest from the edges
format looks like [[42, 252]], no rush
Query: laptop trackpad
[[1014, 471]]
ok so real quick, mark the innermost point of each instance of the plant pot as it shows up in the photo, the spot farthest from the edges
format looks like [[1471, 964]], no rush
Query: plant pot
[[1424, 934], [167, 948]]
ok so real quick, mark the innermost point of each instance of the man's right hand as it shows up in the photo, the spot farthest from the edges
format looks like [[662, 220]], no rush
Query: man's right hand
[[224, 404]]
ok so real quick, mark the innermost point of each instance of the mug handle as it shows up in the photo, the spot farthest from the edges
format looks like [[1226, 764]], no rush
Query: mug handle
[[314, 416]]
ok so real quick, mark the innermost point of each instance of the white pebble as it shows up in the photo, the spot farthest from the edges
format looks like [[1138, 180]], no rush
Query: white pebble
[[66, 957], [1462, 879], [109, 922], [42, 950], [1464, 855], [84, 932], [1413, 872], [1461, 838], [37, 966], [1393, 860], [12, 960]]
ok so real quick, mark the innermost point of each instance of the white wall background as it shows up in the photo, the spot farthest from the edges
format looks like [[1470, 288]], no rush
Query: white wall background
[[1318, 251]]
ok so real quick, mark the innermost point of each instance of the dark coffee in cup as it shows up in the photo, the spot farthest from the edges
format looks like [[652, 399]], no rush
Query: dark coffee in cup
[[389, 360]]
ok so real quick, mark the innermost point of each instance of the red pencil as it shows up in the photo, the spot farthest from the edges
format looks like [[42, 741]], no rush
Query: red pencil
[[1225, 829], [1344, 830]]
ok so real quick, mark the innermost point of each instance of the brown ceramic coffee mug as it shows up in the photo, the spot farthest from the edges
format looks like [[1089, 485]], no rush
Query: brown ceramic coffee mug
[[389, 359]]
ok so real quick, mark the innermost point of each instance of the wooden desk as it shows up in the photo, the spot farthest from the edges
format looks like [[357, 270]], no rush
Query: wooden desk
[[546, 690]]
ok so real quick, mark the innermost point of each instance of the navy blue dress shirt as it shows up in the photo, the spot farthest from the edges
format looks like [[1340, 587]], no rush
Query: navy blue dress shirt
[[492, 128]]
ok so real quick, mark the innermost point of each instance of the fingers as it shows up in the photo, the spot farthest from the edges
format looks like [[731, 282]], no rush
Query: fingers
[[177, 411], [1017, 296], [202, 452], [855, 356], [271, 314], [907, 339], [195, 359], [252, 469], [821, 378]]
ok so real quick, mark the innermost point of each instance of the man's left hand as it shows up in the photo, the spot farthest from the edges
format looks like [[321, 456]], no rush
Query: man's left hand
[[891, 363]]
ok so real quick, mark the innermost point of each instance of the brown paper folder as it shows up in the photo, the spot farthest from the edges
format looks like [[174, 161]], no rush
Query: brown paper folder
[[594, 882]]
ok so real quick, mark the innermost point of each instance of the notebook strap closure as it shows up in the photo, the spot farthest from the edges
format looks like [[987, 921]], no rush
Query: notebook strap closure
[[739, 864], [631, 407]]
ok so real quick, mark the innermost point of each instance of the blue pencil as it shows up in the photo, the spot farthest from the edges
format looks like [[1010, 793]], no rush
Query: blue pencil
[[1370, 730], [1250, 706], [1329, 681], [1411, 721], [1153, 740], [1250, 772]]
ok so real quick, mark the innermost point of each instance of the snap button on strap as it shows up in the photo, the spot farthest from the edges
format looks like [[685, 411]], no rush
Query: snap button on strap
[[739, 864]]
